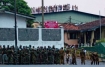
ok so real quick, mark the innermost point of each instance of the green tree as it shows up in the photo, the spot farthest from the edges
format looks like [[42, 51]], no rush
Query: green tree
[[21, 6]]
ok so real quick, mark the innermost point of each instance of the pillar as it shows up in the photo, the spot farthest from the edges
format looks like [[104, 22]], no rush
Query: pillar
[[103, 33], [84, 39], [92, 37]]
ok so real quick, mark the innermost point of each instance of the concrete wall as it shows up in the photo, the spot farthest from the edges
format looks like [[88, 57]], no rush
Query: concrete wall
[[7, 21], [36, 43]]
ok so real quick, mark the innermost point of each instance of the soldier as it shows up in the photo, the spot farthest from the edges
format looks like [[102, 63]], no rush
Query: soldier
[[45, 55], [4, 56], [92, 58], [58, 56], [23, 55], [14, 55], [74, 58], [96, 58], [33, 56], [20, 54], [61, 56], [67, 56], [26, 55], [41, 55], [52, 55], [70, 55], [49, 55], [55, 56], [9, 54], [82, 55], [38, 55], [0, 54]]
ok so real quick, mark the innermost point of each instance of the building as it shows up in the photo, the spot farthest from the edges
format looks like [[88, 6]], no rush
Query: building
[[7, 20], [64, 17], [85, 34], [75, 24], [27, 36]]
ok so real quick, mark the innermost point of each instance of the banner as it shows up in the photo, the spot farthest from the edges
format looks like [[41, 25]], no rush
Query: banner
[[51, 24]]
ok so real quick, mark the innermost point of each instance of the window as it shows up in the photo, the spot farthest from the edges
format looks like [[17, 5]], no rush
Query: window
[[73, 36]]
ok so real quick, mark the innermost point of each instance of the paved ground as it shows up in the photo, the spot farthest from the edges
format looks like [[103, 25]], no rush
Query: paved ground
[[87, 62]]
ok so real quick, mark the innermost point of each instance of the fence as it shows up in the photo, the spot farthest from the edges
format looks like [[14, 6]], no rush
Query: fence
[[33, 36]]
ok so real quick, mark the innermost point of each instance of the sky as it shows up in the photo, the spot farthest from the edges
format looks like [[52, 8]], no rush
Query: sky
[[89, 6]]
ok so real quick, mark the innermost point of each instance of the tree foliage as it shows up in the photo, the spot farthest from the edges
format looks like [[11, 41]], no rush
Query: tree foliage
[[21, 8]]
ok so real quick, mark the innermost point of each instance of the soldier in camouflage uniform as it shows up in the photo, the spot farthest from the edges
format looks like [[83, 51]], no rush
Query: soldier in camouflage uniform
[[40, 55], [45, 55], [9, 54], [67, 56], [92, 58], [82, 55], [4, 56], [37, 56], [74, 58], [20, 54], [49, 55], [34, 55], [0, 54], [23, 55], [26, 55], [96, 58], [57, 56], [61, 56]]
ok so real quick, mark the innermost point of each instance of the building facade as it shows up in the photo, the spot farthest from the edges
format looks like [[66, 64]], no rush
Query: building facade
[[64, 17], [7, 20], [73, 23]]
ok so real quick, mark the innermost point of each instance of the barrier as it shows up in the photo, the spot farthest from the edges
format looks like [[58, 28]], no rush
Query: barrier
[[33, 36]]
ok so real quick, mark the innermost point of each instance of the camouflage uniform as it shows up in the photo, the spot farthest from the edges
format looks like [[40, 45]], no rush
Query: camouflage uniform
[[82, 55], [37, 56], [33, 56], [26, 56], [20, 56], [4, 56], [23, 56], [67, 55], [10, 56], [61, 56], [50, 56], [96, 58], [74, 58], [45, 56], [56, 57], [92, 58], [0, 54]]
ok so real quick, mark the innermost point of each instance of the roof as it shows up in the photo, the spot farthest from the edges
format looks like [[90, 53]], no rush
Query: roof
[[70, 26], [92, 25], [87, 26], [21, 15], [71, 11], [103, 44]]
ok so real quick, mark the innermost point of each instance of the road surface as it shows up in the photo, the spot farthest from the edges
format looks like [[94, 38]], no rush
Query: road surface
[[87, 62]]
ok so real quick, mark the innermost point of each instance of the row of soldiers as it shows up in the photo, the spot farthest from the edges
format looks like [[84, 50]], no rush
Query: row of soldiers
[[30, 55], [40, 55]]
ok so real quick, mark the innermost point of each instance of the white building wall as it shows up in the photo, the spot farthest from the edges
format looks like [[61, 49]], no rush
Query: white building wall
[[57, 44], [8, 21]]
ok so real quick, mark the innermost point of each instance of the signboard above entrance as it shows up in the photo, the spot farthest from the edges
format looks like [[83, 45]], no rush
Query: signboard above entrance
[[51, 24]]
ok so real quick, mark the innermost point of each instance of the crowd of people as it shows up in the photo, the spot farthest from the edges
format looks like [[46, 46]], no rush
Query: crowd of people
[[55, 8], [42, 55]]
